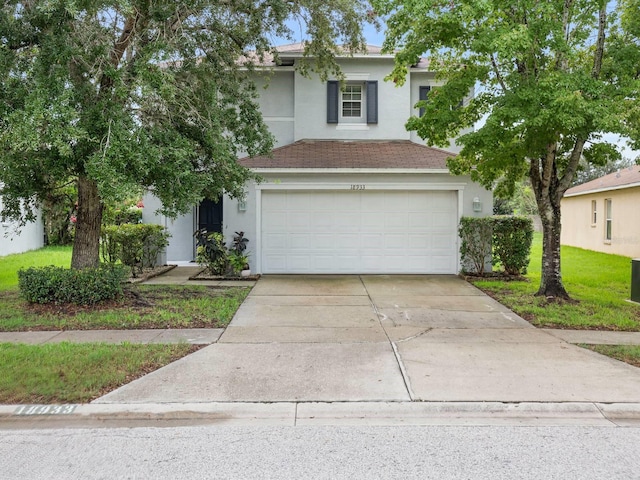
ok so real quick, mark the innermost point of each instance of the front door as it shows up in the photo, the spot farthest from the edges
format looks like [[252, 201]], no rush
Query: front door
[[210, 216]]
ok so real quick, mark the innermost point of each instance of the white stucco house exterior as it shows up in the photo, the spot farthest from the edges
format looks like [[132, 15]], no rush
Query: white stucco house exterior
[[348, 189], [18, 240]]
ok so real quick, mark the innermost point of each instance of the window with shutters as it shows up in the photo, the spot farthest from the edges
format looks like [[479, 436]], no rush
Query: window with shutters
[[351, 103], [423, 96], [355, 103]]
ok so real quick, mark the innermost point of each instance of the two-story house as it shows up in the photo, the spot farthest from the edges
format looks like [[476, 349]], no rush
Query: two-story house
[[348, 189]]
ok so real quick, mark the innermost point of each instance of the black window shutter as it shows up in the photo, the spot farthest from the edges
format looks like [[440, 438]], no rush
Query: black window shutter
[[372, 102], [333, 90], [423, 95]]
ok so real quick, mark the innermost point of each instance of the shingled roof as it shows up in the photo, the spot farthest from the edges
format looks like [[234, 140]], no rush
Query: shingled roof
[[352, 154], [625, 178], [296, 50]]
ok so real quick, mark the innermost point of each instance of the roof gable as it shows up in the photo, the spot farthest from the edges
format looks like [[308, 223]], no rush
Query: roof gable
[[625, 178], [384, 154]]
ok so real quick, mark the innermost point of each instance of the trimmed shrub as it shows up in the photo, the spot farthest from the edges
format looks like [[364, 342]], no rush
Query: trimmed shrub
[[512, 237], [135, 245], [475, 246], [212, 252], [61, 285]]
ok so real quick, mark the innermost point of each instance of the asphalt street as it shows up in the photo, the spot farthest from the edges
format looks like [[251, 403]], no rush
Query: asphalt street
[[323, 452]]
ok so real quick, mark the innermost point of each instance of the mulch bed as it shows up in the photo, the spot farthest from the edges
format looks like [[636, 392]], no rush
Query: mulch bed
[[204, 275]]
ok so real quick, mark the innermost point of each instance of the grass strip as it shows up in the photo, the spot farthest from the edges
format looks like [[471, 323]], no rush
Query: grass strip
[[598, 281], [151, 306], [77, 373], [625, 353]]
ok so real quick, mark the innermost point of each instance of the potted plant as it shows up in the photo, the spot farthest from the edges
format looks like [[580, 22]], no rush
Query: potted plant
[[238, 256], [239, 263]]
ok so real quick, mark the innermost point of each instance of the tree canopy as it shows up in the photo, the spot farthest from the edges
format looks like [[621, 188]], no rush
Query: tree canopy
[[551, 78], [123, 94]]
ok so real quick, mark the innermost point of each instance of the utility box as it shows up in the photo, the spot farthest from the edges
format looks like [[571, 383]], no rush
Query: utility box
[[635, 280]]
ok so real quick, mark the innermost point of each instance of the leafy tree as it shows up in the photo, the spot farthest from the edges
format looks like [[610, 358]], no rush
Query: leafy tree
[[554, 76], [590, 171], [155, 95], [521, 202]]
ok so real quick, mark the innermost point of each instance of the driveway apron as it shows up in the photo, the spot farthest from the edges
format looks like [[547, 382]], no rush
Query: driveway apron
[[382, 338]]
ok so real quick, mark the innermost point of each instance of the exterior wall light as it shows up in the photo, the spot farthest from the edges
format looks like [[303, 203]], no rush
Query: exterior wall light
[[242, 205], [477, 205]]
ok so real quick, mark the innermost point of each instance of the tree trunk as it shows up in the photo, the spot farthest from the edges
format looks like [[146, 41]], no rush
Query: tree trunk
[[86, 244], [551, 279]]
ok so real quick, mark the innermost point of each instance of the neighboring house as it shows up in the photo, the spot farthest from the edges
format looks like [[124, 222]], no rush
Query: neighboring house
[[348, 189], [603, 214], [18, 240]]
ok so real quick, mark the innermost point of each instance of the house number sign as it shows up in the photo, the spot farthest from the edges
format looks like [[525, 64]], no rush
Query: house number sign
[[358, 187], [44, 409]]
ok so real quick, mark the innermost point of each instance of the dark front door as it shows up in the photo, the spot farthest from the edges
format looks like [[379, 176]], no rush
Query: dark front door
[[210, 216]]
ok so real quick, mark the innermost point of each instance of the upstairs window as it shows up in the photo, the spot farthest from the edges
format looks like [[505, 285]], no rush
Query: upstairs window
[[423, 95], [356, 103], [351, 101]]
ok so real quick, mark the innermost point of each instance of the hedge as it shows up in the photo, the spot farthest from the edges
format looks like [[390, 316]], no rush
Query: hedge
[[508, 238], [135, 245], [475, 245], [512, 237], [61, 285]]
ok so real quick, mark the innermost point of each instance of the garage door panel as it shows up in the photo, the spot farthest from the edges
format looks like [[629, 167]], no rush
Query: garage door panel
[[324, 241], [298, 241], [275, 263], [441, 264], [392, 242], [370, 221], [359, 232], [371, 240], [419, 242], [346, 221], [275, 219], [323, 220], [274, 241], [298, 262], [441, 241], [299, 221], [396, 220]]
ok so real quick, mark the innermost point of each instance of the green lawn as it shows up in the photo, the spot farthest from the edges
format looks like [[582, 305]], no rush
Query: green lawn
[[76, 373], [626, 353], [600, 282], [10, 264], [143, 306], [154, 306]]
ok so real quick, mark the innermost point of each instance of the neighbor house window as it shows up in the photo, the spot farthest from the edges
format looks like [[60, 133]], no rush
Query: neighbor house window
[[594, 213], [354, 103], [607, 222]]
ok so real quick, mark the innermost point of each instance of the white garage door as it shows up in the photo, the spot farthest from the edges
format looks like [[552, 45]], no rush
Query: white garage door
[[359, 232]]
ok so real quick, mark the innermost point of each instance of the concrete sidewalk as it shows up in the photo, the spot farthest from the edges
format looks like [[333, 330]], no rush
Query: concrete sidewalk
[[377, 338]]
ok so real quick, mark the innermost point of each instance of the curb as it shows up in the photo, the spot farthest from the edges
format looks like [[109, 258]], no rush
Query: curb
[[321, 414]]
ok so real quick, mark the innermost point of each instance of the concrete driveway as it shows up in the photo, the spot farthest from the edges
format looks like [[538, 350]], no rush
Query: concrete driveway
[[382, 338]]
